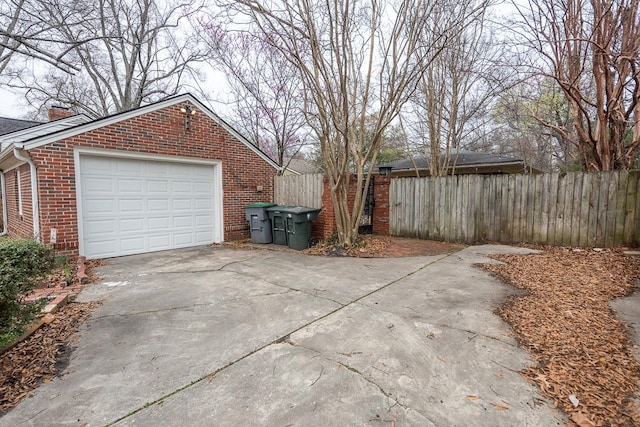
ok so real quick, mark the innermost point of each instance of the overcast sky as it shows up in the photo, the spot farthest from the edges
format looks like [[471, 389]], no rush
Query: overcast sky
[[15, 106]]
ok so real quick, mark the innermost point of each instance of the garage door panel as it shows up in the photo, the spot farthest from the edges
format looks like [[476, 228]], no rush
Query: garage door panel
[[181, 186], [203, 204], [127, 225], [157, 205], [182, 221], [100, 185], [157, 169], [134, 244], [129, 167], [105, 226], [182, 205], [131, 186], [182, 239], [204, 237], [203, 220], [161, 223], [135, 206], [101, 248], [160, 242], [131, 206], [107, 166], [178, 169], [99, 206], [157, 186], [202, 187]]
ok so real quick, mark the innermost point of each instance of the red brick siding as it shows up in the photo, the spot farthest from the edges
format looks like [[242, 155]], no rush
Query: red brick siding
[[19, 225], [162, 133], [381, 206], [325, 225]]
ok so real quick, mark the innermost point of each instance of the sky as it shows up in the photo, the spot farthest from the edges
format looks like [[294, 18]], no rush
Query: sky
[[14, 105]]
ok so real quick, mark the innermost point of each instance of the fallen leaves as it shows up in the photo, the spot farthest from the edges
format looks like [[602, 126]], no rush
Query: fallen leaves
[[499, 407], [566, 324], [37, 358]]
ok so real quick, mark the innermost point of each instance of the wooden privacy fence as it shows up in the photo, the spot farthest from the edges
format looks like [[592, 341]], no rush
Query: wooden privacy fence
[[577, 209], [298, 190]]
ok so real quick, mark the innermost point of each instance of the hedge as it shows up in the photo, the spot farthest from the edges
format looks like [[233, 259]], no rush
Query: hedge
[[22, 263]]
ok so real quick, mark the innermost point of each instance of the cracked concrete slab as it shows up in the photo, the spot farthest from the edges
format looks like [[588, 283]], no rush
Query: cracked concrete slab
[[281, 385], [219, 336]]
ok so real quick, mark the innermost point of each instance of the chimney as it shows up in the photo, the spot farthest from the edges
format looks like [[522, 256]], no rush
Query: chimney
[[56, 113]]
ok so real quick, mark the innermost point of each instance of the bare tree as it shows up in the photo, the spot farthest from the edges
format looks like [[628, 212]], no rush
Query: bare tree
[[455, 93], [591, 49], [266, 91], [354, 58], [518, 130], [28, 29], [133, 55]]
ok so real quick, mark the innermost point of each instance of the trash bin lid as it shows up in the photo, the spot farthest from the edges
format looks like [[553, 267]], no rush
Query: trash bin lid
[[294, 209], [260, 205]]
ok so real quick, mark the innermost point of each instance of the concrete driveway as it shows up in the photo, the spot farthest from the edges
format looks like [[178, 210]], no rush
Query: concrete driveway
[[220, 336]]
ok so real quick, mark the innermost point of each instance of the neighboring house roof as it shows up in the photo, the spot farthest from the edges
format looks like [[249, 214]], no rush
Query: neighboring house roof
[[462, 161], [66, 128], [8, 125], [300, 166], [41, 129]]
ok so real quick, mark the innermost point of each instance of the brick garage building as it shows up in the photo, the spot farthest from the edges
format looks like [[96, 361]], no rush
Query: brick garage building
[[167, 175]]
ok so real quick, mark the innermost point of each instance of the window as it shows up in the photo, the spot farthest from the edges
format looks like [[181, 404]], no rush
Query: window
[[19, 188]]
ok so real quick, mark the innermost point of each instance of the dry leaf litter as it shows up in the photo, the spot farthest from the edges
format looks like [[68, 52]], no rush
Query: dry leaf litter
[[37, 358], [584, 355]]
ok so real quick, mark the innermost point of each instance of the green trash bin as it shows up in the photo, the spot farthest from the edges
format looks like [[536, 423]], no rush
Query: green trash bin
[[256, 214], [278, 224], [291, 225]]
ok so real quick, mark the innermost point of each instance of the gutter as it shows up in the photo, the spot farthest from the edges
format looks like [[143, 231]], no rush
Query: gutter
[[3, 190], [34, 192]]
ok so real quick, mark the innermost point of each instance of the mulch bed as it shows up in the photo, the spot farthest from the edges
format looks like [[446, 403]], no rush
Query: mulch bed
[[43, 355], [584, 355], [372, 246], [37, 359]]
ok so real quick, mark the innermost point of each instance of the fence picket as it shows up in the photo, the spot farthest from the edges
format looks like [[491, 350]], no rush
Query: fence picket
[[580, 209]]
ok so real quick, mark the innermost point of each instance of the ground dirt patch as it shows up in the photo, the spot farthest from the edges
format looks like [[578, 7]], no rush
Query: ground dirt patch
[[584, 355]]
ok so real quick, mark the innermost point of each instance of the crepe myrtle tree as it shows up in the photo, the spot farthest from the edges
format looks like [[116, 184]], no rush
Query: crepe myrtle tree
[[266, 93], [591, 50], [353, 58]]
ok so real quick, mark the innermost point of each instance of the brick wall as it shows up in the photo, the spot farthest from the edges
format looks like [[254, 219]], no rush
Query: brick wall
[[160, 132], [19, 225], [325, 225]]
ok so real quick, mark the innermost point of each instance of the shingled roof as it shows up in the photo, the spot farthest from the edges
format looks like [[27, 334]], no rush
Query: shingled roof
[[463, 161], [8, 125]]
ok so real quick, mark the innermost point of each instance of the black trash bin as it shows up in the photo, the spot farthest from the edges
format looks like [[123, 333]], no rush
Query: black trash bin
[[291, 225], [256, 214]]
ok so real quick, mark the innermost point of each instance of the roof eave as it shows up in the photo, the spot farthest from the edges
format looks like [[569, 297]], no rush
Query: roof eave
[[115, 118]]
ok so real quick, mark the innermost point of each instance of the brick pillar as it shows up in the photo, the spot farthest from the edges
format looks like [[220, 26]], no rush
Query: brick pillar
[[325, 225], [381, 205]]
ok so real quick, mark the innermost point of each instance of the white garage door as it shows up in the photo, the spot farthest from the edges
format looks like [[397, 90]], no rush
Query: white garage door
[[132, 206]]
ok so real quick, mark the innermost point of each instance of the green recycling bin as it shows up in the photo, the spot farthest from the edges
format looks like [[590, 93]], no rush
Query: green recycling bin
[[278, 224], [256, 214], [291, 225]]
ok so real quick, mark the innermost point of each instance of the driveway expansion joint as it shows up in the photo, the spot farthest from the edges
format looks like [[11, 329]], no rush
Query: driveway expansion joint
[[280, 340]]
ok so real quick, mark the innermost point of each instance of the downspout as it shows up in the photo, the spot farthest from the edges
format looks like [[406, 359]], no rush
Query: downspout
[[3, 189], [34, 193]]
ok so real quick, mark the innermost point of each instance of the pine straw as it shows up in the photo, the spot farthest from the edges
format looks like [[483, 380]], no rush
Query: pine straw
[[35, 360], [567, 325]]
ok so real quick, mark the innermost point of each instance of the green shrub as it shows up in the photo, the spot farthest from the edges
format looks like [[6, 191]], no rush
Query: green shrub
[[22, 262]]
